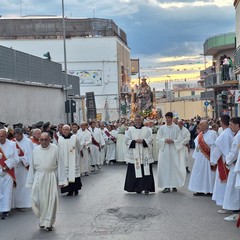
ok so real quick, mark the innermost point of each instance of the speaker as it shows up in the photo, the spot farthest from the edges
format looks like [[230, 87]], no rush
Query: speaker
[[70, 104]]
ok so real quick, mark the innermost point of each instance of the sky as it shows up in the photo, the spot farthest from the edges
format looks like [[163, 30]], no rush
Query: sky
[[167, 36]]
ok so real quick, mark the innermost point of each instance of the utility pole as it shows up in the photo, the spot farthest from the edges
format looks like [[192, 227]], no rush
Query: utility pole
[[65, 64]]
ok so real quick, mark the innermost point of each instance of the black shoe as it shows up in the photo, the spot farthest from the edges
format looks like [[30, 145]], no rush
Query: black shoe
[[49, 229], [146, 192], [174, 189], [166, 190], [70, 194], [86, 174], [198, 194], [138, 192], [5, 215], [76, 193], [187, 171], [41, 227], [208, 194]]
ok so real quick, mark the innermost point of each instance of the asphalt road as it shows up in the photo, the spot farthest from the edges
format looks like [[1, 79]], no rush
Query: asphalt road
[[103, 210]]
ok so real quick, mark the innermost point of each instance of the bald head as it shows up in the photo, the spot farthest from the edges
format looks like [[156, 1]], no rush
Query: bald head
[[3, 136], [45, 139], [203, 125], [66, 130]]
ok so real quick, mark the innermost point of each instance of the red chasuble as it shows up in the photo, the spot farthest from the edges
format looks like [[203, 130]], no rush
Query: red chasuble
[[3, 164]]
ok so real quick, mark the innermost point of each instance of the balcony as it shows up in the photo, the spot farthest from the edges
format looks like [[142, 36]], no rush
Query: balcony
[[219, 42], [211, 80], [218, 80], [237, 61]]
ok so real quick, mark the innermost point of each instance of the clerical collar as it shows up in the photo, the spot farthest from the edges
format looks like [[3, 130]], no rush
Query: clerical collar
[[68, 136], [139, 127]]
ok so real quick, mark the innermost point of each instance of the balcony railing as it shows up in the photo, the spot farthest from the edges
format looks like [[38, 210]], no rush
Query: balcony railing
[[237, 61], [211, 80], [224, 76]]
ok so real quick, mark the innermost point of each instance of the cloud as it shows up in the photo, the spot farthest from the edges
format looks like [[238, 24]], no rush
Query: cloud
[[156, 29]]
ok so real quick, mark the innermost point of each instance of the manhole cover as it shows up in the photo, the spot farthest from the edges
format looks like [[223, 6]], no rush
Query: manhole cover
[[133, 213]]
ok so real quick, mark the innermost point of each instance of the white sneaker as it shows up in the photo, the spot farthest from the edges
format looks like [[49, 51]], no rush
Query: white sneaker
[[231, 218], [224, 211]]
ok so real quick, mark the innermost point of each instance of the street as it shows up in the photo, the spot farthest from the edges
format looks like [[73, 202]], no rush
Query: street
[[103, 210]]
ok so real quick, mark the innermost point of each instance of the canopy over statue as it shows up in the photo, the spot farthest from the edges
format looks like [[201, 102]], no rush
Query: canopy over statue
[[144, 97]]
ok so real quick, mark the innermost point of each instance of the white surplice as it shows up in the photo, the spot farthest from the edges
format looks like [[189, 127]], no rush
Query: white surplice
[[142, 133], [232, 195], [69, 149], [171, 169], [21, 194], [46, 172], [85, 139], [6, 182], [223, 145], [202, 177]]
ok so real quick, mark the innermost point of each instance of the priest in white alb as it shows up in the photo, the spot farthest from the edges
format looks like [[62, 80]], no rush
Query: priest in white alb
[[110, 142], [223, 144], [21, 194], [184, 152], [203, 175], [171, 168], [139, 177], [231, 200], [69, 148], [45, 173], [84, 137], [8, 159], [96, 146]]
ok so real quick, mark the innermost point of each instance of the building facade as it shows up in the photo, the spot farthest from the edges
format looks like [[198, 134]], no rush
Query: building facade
[[220, 79], [96, 51]]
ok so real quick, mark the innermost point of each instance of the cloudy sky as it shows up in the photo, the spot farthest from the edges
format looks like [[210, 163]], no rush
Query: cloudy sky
[[167, 36]]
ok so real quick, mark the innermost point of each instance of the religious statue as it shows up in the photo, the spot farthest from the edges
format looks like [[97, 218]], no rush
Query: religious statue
[[144, 97]]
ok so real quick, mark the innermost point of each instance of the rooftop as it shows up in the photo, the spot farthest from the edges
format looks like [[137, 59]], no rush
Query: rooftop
[[50, 27]]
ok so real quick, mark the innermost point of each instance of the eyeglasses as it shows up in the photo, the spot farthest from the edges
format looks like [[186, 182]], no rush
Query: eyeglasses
[[43, 139]]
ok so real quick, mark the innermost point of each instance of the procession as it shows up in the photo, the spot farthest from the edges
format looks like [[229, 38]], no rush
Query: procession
[[36, 161], [120, 120]]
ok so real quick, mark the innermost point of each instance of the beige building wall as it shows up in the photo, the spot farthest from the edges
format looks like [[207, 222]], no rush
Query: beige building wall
[[186, 109], [187, 93]]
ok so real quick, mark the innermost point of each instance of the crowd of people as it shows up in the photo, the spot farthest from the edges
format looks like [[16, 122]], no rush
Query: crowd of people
[[35, 160]]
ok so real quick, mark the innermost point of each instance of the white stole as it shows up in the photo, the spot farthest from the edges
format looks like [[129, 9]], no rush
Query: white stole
[[140, 153]]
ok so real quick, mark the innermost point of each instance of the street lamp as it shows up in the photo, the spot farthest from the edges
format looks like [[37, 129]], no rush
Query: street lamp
[[168, 88], [204, 59], [205, 93]]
